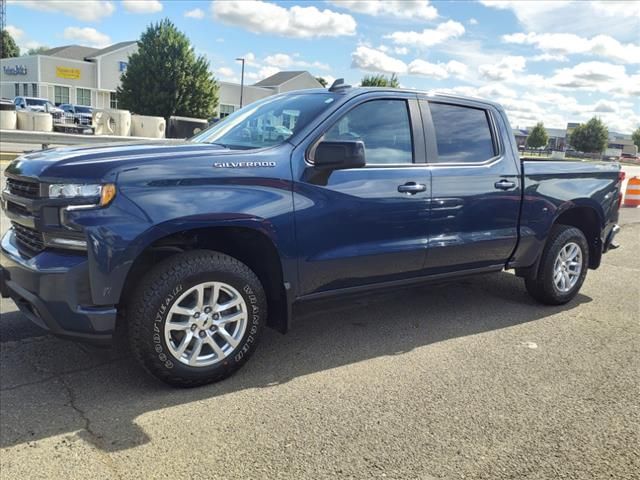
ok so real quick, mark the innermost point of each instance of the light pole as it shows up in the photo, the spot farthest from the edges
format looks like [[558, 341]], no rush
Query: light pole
[[241, 80]]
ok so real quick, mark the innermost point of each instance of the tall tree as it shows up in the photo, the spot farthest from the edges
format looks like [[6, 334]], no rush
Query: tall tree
[[635, 136], [9, 48], [590, 137], [322, 81], [165, 77], [380, 81], [538, 136], [37, 50]]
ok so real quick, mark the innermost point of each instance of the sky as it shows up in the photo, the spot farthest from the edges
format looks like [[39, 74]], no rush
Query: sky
[[557, 62]]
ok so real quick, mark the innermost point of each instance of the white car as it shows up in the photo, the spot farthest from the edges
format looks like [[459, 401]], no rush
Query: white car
[[34, 104]]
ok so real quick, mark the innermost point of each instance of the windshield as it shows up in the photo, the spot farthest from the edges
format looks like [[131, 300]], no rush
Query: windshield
[[267, 122], [83, 110], [38, 101]]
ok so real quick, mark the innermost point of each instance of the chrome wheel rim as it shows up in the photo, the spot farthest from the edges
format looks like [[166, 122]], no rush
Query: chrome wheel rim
[[567, 267], [205, 324]]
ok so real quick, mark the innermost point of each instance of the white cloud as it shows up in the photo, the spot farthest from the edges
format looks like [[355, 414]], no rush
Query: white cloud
[[586, 18], [420, 9], [303, 22], [503, 70], [569, 43], [225, 72], [400, 50], [373, 60], [473, 21], [438, 71], [429, 36], [15, 32], [142, 6], [196, 13], [548, 57], [86, 10], [87, 35], [283, 60]]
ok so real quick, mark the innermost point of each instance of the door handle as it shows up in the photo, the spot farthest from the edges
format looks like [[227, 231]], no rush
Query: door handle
[[505, 185], [412, 188]]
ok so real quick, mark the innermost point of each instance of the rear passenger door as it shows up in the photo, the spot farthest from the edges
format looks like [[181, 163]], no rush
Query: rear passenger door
[[476, 190]]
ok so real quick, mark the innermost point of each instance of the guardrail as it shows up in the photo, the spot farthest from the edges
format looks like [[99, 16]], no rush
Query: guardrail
[[53, 138]]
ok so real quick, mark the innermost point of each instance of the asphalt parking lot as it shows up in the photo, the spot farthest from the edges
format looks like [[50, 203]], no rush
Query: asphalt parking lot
[[459, 380]]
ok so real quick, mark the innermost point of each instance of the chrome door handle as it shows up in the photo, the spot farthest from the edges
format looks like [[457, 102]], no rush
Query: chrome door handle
[[412, 188], [505, 185]]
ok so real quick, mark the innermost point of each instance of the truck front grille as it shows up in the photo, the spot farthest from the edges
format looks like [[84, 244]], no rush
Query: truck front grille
[[30, 239], [23, 188]]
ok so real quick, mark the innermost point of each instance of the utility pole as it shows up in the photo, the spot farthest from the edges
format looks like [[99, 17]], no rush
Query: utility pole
[[3, 14], [241, 79]]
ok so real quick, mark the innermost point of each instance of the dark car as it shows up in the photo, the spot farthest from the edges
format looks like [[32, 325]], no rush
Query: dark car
[[194, 248], [78, 114]]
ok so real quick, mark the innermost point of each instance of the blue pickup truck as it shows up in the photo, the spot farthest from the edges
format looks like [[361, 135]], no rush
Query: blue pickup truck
[[193, 248]]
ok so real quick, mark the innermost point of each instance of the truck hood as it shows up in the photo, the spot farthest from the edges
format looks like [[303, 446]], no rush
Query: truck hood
[[102, 162]]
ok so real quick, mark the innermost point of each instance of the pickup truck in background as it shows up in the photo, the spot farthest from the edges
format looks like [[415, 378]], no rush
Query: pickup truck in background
[[192, 249]]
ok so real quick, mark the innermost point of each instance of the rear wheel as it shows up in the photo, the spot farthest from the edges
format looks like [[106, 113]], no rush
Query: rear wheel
[[563, 267], [196, 318]]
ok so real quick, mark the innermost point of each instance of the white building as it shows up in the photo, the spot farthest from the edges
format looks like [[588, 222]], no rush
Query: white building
[[90, 76]]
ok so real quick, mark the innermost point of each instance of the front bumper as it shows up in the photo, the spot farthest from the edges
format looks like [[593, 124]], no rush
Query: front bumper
[[52, 290]]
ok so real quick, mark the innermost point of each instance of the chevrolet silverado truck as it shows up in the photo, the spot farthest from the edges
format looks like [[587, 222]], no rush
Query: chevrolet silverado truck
[[191, 249]]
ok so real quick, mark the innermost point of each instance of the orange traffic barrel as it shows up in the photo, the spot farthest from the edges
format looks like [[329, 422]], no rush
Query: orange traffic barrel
[[632, 195]]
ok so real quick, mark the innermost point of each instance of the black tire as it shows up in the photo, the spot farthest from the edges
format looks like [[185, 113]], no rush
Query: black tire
[[541, 286], [149, 305]]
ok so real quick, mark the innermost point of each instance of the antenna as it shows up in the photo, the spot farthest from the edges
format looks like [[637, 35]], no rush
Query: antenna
[[338, 84]]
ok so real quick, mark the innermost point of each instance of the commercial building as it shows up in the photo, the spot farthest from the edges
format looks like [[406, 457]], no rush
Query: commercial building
[[229, 93], [68, 74], [91, 76]]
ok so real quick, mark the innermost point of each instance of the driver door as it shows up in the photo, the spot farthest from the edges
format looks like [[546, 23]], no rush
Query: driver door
[[366, 225]]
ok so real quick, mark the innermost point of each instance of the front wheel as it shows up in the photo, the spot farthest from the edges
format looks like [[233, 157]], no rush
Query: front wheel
[[196, 318], [563, 267]]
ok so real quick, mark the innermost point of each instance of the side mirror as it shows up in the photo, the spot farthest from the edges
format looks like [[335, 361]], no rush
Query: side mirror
[[339, 155]]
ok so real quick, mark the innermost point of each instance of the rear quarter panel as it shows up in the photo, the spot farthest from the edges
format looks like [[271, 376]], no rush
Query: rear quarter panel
[[552, 188]]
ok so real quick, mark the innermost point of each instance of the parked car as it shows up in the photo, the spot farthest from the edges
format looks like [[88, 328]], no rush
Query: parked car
[[38, 105], [194, 248], [79, 114]]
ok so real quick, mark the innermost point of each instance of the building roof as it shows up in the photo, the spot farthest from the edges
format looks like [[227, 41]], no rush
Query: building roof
[[74, 52], [112, 48], [279, 78]]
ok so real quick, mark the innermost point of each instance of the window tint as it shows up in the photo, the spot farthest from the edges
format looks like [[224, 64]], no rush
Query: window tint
[[463, 134], [383, 126]]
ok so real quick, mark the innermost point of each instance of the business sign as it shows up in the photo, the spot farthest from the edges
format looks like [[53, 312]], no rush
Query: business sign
[[66, 72], [15, 70]]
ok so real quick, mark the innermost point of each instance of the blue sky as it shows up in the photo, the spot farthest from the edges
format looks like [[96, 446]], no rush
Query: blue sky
[[555, 61]]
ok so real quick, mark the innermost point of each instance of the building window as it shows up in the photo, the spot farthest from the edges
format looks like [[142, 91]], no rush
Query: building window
[[113, 100], [226, 110], [25, 89], [34, 88], [17, 89], [83, 96], [60, 94]]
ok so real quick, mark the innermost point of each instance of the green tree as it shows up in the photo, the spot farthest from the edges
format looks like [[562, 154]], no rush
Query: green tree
[[380, 81], [322, 81], [165, 77], [635, 136], [538, 136], [37, 50], [9, 48], [590, 137]]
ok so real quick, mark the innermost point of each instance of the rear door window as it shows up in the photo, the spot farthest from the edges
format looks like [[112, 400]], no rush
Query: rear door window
[[463, 134]]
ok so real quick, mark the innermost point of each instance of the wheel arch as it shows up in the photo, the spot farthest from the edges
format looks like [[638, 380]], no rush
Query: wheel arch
[[589, 219], [251, 244]]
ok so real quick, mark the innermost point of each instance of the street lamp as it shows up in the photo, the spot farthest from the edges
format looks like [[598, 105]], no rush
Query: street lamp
[[241, 80]]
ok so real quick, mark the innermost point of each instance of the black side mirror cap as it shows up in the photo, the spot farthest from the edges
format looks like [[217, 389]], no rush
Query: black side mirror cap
[[339, 155]]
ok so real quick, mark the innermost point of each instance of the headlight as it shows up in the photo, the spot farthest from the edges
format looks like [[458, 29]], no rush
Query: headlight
[[101, 194]]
